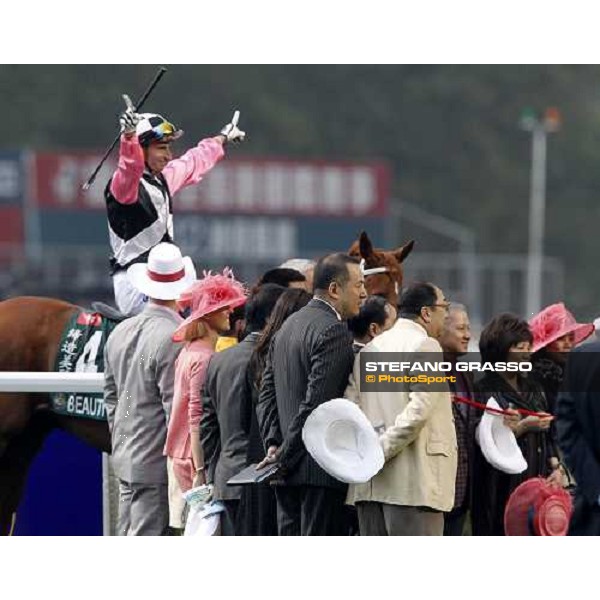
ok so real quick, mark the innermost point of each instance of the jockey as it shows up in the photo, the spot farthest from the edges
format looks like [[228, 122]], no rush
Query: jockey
[[139, 194]]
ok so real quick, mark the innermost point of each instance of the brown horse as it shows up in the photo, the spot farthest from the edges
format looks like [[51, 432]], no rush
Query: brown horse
[[383, 269], [30, 333]]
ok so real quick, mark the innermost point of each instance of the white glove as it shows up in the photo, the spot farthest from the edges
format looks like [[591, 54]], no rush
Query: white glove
[[231, 131], [129, 119]]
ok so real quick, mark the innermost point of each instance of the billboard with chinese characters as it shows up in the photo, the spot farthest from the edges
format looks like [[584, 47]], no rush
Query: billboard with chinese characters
[[235, 186], [252, 213]]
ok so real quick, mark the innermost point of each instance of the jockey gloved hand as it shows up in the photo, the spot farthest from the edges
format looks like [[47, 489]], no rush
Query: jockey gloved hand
[[231, 131], [129, 119]]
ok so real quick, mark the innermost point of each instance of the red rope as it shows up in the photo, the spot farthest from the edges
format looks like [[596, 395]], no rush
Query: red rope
[[497, 411]]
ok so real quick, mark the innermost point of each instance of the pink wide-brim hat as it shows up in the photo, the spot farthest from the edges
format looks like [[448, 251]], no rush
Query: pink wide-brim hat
[[208, 295], [555, 321], [537, 508]]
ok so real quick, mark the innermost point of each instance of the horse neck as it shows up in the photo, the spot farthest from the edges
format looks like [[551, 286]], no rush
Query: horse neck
[[30, 329]]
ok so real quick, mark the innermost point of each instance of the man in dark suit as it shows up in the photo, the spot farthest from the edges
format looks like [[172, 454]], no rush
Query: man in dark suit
[[578, 431], [309, 363], [227, 408]]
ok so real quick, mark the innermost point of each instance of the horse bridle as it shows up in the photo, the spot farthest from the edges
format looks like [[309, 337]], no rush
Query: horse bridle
[[378, 270]]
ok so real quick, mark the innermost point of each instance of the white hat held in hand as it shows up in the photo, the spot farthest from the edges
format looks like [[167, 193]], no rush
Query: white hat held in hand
[[341, 439], [498, 443]]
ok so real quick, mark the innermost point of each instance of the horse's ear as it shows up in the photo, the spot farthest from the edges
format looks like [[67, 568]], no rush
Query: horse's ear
[[402, 252], [364, 243]]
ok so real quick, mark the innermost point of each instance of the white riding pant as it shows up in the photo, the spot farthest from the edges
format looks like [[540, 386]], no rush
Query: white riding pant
[[129, 300]]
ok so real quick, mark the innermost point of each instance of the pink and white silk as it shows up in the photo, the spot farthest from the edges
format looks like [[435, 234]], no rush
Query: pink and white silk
[[180, 172]]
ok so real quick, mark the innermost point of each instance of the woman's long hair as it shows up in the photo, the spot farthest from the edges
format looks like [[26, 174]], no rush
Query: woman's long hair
[[291, 301]]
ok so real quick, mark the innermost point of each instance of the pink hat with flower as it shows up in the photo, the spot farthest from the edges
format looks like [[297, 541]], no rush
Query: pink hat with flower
[[555, 321], [208, 295]]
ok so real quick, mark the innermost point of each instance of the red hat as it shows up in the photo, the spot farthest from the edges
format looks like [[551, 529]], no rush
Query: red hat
[[537, 508], [555, 321], [209, 295]]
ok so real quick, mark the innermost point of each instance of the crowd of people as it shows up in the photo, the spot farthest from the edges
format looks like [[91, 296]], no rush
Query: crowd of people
[[193, 401], [183, 414]]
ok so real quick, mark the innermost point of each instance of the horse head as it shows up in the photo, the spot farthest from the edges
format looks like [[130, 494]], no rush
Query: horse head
[[383, 268]]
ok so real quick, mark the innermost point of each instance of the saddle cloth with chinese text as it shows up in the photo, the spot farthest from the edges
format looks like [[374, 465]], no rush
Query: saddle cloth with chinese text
[[81, 350]]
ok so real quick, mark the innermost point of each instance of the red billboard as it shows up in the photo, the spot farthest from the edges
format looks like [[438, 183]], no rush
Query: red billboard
[[11, 225], [11, 235], [235, 186]]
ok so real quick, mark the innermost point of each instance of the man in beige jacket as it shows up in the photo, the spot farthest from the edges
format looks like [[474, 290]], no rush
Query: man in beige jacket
[[416, 485]]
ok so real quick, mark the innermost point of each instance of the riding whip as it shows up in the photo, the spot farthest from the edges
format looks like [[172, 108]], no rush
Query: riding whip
[[161, 71]]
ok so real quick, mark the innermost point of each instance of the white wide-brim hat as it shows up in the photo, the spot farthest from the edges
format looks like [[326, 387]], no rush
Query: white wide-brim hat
[[166, 275], [341, 439], [498, 443]]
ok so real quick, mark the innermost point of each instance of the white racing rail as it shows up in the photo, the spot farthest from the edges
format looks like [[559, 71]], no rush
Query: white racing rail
[[17, 381]]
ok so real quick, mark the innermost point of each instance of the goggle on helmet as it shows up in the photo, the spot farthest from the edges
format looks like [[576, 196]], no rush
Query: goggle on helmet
[[153, 127]]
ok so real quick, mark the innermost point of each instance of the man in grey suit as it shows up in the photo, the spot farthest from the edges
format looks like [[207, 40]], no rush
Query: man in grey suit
[[310, 361], [139, 371]]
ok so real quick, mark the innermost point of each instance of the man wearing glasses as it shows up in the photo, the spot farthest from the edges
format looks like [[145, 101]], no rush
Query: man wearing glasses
[[139, 194], [416, 485]]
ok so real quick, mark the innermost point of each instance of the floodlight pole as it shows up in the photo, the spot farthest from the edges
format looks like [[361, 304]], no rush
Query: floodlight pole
[[537, 218], [537, 209]]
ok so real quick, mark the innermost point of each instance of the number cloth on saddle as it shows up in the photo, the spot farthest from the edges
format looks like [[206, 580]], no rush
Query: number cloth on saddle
[[81, 350]]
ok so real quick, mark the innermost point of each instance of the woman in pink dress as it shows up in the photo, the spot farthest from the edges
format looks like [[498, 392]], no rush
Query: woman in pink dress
[[210, 301]]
